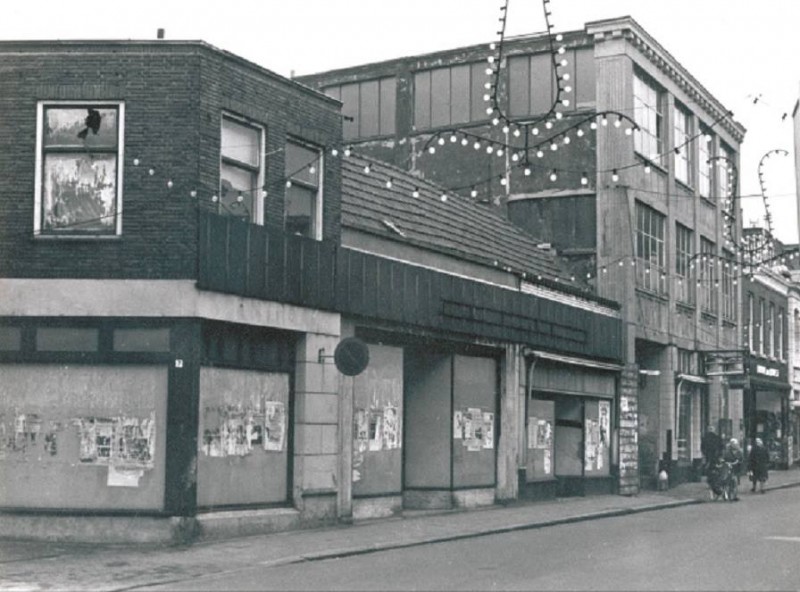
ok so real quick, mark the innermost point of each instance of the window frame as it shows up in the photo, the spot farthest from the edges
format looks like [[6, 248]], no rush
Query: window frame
[[650, 238], [385, 112], [38, 202], [257, 214], [643, 107], [684, 254], [728, 287], [705, 166], [319, 196], [423, 119], [709, 281], [682, 146]]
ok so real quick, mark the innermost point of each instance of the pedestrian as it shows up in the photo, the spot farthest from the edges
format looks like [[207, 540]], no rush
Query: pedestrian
[[734, 457], [711, 448], [758, 465]]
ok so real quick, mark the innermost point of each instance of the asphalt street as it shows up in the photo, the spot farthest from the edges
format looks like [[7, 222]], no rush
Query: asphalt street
[[750, 545]]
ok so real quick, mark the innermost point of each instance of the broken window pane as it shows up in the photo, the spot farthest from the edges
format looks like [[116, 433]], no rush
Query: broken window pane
[[79, 192]]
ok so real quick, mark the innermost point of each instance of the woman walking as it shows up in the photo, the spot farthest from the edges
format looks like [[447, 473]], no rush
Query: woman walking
[[758, 465]]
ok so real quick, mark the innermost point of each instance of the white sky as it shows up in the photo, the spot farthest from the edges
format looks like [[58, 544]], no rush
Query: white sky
[[737, 49]]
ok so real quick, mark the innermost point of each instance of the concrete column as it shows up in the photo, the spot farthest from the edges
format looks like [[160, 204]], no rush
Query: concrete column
[[629, 431], [316, 429], [510, 413]]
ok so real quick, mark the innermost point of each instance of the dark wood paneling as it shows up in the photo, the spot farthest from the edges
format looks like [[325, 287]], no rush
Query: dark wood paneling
[[239, 258]]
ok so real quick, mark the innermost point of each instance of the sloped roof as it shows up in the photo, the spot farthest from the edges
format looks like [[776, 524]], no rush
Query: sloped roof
[[458, 226]]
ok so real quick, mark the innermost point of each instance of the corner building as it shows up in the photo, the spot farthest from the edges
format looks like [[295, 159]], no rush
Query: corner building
[[646, 213], [176, 279]]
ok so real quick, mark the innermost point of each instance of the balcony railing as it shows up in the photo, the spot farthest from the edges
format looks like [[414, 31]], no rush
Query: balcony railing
[[249, 260]]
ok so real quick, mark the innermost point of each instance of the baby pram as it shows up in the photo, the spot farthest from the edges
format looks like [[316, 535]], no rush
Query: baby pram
[[722, 482]]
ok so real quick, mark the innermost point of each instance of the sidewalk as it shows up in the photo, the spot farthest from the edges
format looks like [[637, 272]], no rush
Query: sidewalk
[[37, 566]]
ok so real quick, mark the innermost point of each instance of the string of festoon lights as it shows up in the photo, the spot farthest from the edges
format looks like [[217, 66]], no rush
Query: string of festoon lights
[[526, 137]]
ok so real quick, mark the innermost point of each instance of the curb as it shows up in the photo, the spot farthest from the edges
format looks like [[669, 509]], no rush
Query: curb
[[386, 546]]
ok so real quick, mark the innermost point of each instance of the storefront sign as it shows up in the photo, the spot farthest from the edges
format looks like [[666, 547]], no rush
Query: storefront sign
[[764, 371]]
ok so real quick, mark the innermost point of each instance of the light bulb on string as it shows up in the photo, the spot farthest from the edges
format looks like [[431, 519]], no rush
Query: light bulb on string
[[432, 149], [415, 192], [527, 172], [464, 141], [579, 133], [516, 133], [489, 110], [593, 125], [553, 176], [553, 146], [453, 139], [151, 172], [618, 122], [567, 140], [169, 184], [443, 197], [614, 176], [584, 179], [477, 145], [604, 121], [565, 76], [367, 169], [135, 162], [535, 131], [473, 192], [288, 183], [389, 183], [503, 181], [539, 154], [440, 141], [334, 152], [628, 131], [568, 89], [559, 115], [193, 193]]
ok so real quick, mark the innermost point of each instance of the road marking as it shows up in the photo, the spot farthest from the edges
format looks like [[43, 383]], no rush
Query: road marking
[[784, 538]]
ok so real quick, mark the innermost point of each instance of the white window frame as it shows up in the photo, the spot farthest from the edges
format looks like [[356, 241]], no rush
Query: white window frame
[[38, 187], [682, 159], [257, 215]]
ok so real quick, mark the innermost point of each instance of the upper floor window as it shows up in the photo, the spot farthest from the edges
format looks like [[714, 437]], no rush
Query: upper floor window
[[448, 96], [242, 169], [751, 324], [682, 148], [650, 252], [532, 85], [724, 172], [648, 140], [728, 287], [762, 318], [769, 349], [705, 166], [684, 250], [781, 321], [78, 188], [303, 189], [709, 279], [368, 107]]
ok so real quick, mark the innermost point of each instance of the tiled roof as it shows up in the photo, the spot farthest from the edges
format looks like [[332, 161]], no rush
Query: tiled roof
[[458, 226]]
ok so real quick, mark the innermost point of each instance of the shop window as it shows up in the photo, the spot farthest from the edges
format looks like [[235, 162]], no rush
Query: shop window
[[724, 172], [683, 440], [303, 190], [368, 107], [10, 338], [65, 339], [78, 186], [540, 437], [141, 340], [241, 172]]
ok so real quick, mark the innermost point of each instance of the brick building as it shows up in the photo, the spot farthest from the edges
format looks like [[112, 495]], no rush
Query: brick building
[[606, 147], [176, 280]]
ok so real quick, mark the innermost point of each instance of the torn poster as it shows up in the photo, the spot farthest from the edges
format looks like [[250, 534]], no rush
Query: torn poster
[[475, 420], [274, 425], [360, 430], [541, 434], [391, 428], [458, 425], [547, 461], [96, 434], [120, 477], [604, 411], [591, 440], [375, 429], [488, 430]]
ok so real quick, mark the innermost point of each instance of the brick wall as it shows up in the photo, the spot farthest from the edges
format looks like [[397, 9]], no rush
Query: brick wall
[[174, 94]]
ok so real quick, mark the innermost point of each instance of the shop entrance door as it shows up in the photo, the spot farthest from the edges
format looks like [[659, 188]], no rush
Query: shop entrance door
[[569, 446]]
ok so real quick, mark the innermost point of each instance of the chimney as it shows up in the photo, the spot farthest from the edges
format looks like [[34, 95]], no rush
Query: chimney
[[160, 34]]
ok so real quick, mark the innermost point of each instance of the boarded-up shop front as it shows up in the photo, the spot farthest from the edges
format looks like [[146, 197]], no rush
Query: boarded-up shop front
[[244, 428], [450, 429], [83, 437], [377, 463], [569, 427]]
